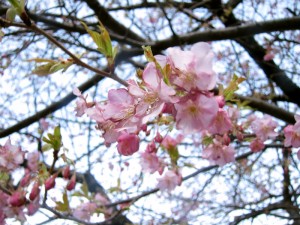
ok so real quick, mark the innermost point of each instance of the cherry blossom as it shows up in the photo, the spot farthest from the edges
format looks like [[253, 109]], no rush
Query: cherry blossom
[[218, 154], [196, 114], [150, 162], [292, 134], [33, 160], [81, 103], [193, 68], [257, 145], [120, 105], [169, 180], [264, 127], [221, 123], [11, 156], [85, 210]]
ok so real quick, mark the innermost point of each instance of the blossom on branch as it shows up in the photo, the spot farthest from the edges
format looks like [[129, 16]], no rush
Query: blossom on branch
[[218, 153], [292, 134], [169, 180], [11, 156], [193, 69]]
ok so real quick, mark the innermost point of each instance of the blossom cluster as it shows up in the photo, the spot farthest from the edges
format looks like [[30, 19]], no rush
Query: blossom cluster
[[175, 88]]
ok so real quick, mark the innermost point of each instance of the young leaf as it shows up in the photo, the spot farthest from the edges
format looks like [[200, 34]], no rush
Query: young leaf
[[50, 67], [63, 206], [11, 14], [232, 87], [43, 70]]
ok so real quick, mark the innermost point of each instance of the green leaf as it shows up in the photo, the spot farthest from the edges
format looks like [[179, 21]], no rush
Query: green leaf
[[4, 177], [43, 70], [103, 42], [55, 139], [51, 66], [18, 6], [43, 173], [232, 87], [164, 71], [174, 155], [148, 53], [207, 140], [84, 189], [63, 206], [11, 14], [46, 147]]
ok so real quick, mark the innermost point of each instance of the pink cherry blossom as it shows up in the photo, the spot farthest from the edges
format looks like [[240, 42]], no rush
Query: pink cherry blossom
[[33, 206], [193, 68], [120, 105], [218, 154], [153, 96], [292, 136], [150, 162], [33, 160], [169, 143], [221, 123], [169, 180], [11, 156], [96, 113], [85, 210], [81, 103], [196, 114], [44, 124], [257, 145], [264, 128], [128, 144], [151, 147]]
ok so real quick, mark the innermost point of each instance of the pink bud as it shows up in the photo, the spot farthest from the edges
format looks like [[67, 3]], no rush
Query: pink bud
[[221, 101], [128, 144], [66, 172], [25, 180], [35, 191], [151, 147], [50, 182], [269, 56], [158, 138], [71, 184], [144, 127], [17, 199], [226, 139]]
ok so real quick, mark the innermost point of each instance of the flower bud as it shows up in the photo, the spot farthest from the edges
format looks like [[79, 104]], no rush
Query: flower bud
[[50, 182], [34, 191], [26, 179], [71, 184], [66, 172], [17, 199]]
